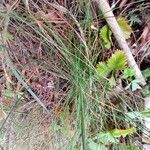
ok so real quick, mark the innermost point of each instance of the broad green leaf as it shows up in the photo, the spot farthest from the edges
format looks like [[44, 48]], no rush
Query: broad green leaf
[[124, 133], [123, 23], [94, 146], [128, 72], [102, 69], [135, 85], [146, 73], [117, 61], [106, 138], [105, 34]]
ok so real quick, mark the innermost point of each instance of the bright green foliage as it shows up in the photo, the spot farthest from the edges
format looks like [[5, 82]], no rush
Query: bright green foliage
[[117, 61], [113, 135], [102, 69], [105, 34], [104, 139], [119, 132], [128, 73], [125, 27]]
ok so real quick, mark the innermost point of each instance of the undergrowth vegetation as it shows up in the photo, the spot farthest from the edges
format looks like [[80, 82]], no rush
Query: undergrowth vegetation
[[64, 83]]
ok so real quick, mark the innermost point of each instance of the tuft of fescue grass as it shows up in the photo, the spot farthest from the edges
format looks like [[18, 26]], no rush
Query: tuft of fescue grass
[[87, 107]]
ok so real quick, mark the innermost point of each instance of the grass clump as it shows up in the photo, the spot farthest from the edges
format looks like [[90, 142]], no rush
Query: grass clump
[[56, 51]]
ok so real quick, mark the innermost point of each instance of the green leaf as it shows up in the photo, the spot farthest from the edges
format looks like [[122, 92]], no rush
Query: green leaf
[[102, 69], [145, 113], [117, 61], [8, 93], [135, 85], [141, 114], [94, 146], [125, 147], [146, 73], [11, 94], [124, 133], [105, 34], [128, 72], [106, 138], [123, 23], [146, 91], [112, 136]]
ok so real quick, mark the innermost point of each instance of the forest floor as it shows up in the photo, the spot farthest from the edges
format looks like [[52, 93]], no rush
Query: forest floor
[[65, 84]]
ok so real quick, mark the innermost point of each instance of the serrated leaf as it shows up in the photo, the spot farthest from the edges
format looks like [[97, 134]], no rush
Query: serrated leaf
[[102, 69], [128, 72], [105, 34], [126, 29], [124, 133], [117, 61]]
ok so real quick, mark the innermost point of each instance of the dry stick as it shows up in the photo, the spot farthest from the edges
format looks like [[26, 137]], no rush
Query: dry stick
[[112, 22]]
